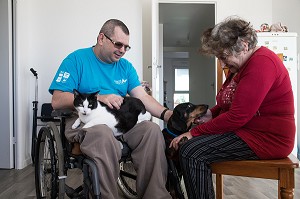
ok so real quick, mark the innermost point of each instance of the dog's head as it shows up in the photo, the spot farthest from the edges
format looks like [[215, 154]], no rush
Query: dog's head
[[184, 115], [182, 119]]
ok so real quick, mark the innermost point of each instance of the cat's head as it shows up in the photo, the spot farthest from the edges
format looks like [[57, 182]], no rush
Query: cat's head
[[84, 103]]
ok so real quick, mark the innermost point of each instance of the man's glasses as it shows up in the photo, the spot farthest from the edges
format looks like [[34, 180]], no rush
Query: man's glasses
[[117, 44]]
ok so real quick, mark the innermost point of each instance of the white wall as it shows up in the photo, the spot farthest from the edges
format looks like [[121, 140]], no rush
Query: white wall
[[46, 32], [256, 11]]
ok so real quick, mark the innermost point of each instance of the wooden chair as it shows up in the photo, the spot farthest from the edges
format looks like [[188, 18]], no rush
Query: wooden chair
[[281, 170]]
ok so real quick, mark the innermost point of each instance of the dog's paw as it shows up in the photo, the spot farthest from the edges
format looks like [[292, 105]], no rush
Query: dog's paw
[[172, 153], [182, 141]]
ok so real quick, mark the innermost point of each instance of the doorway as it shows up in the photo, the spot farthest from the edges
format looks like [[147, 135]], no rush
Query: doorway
[[183, 24]]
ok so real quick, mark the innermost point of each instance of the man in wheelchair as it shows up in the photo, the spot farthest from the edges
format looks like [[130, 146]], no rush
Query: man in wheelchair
[[102, 68]]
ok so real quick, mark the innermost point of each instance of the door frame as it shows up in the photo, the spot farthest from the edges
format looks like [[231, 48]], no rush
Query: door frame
[[7, 85], [157, 50]]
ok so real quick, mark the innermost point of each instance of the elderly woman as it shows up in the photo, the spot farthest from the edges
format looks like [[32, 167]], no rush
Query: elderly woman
[[254, 115]]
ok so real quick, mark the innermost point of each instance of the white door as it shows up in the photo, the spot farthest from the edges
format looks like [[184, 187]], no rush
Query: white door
[[157, 65], [6, 86]]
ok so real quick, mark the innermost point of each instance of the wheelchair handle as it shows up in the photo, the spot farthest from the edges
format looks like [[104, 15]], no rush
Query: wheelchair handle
[[62, 113], [34, 72]]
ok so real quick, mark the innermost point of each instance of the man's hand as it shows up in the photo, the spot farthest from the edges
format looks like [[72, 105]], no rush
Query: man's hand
[[111, 100]]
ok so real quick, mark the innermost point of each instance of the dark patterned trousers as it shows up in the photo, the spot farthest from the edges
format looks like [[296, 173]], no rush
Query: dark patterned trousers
[[199, 152]]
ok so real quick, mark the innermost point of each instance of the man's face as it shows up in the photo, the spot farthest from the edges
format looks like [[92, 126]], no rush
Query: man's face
[[114, 46]]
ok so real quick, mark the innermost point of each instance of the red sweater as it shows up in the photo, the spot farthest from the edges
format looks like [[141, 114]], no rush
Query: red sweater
[[258, 105]]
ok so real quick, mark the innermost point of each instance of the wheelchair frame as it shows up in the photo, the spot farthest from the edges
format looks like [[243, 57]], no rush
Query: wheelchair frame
[[53, 158]]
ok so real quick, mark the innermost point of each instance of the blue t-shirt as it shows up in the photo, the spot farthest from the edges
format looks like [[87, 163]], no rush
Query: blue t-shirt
[[83, 71]]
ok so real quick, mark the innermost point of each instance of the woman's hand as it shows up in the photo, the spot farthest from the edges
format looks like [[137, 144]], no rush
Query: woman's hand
[[111, 100], [175, 142], [204, 118]]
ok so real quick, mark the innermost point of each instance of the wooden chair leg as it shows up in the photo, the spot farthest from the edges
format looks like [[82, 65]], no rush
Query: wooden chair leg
[[286, 193], [219, 186], [286, 184]]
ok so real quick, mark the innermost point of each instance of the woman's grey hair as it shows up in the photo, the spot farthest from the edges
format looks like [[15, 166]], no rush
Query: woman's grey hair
[[108, 27], [226, 37]]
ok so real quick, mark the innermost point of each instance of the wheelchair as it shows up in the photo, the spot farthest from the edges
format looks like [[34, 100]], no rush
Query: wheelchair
[[54, 158]]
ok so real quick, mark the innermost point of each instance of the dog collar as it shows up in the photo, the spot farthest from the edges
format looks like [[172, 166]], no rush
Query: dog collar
[[171, 132]]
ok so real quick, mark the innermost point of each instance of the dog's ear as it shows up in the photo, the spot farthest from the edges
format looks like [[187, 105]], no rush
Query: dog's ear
[[177, 126], [177, 123]]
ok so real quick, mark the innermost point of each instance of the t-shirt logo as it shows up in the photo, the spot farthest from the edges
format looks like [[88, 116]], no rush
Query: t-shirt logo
[[62, 77], [120, 82]]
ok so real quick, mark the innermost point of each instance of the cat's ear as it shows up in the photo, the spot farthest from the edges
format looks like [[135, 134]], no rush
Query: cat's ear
[[76, 93], [95, 93]]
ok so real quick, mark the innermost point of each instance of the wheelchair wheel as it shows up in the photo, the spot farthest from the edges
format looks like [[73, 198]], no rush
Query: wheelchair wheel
[[127, 179], [49, 161], [91, 186], [174, 184]]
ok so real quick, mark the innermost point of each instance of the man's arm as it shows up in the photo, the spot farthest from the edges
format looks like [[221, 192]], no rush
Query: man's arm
[[62, 100], [150, 103]]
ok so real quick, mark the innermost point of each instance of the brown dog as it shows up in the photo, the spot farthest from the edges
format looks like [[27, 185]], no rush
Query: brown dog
[[184, 116]]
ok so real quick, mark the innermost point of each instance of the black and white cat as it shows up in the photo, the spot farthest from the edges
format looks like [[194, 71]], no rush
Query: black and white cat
[[92, 112]]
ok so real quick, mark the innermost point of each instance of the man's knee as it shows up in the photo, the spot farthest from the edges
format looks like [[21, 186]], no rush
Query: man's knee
[[100, 139], [152, 130], [144, 133]]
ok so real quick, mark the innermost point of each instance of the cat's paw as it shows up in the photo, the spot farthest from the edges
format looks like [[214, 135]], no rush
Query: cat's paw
[[75, 126]]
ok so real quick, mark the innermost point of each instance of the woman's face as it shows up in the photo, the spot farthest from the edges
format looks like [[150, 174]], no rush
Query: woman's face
[[231, 62], [236, 61]]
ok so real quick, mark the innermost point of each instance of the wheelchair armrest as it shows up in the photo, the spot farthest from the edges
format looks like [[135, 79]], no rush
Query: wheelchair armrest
[[126, 150], [62, 113]]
